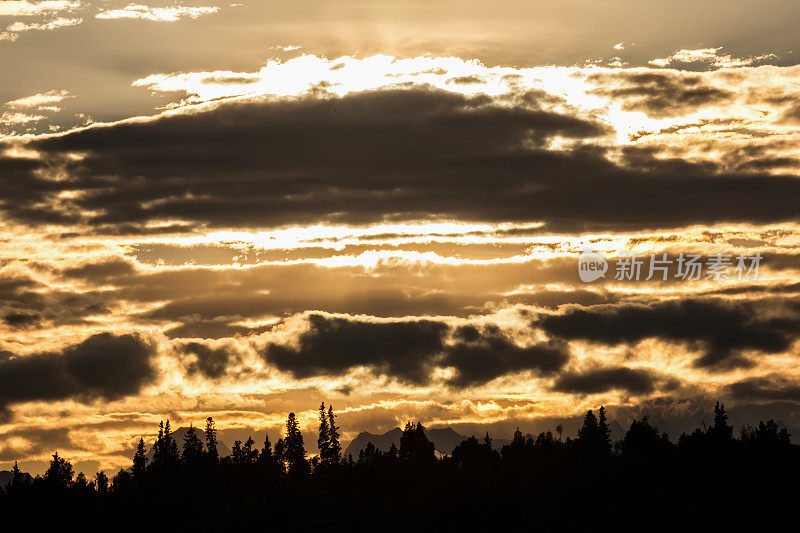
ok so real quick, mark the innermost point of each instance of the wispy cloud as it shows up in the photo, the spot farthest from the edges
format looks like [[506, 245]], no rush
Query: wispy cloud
[[41, 99], [16, 28], [710, 56], [23, 8], [157, 14], [18, 118]]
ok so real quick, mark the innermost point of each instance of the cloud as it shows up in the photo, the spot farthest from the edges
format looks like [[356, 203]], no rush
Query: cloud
[[156, 14], [291, 162], [41, 99], [481, 355], [722, 329], [19, 118], [334, 345], [410, 350], [659, 94], [599, 380], [710, 57], [28, 302], [20, 27], [98, 272], [210, 362], [766, 388], [105, 365], [24, 8]]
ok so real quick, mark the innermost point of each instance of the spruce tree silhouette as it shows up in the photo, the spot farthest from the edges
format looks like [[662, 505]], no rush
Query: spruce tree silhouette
[[139, 461], [16, 476], [212, 451], [101, 482], [324, 438], [643, 442], [335, 447], [721, 432], [265, 456], [59, 474], [415, 448], [604, 431], [192, 452], [294, 448], [249, 452], [280, 455]]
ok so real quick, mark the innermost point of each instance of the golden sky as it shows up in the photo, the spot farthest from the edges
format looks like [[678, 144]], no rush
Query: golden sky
[[241, 210]]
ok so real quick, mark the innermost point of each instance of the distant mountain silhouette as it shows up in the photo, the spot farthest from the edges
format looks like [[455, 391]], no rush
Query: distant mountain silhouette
[[179, 435], [5, 477], [444, 440]]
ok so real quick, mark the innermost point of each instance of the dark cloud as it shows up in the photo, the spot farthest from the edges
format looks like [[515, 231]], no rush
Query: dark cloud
[[722, 329], [658, 94], [21, 320], [209, 362], [104, 366], [791, 114], [333, 345], [481, 355], [99, 271], [631, 380], [408, 350], [27, 303], [766, 388], [369, 157]]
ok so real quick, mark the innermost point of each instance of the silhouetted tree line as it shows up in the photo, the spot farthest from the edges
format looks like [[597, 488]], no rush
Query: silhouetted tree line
[[708, 480]]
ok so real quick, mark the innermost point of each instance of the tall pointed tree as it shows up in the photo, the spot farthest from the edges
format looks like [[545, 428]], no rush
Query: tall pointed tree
[[211, 440], [721, 431], [324, 438], [280, 455], [265, 457], [171, 454], [604, 430], [192, 447], [294, 448], [60, 472], [249, 452], [333, 435], [101, 482], [139, 461]]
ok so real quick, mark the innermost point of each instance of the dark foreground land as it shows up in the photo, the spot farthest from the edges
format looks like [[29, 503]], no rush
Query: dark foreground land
[[710, 480]]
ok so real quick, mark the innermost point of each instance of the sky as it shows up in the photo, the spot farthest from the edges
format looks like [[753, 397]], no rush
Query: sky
[[241, 210]]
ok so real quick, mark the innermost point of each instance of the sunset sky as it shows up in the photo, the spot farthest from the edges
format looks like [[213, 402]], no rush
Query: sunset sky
[[240, 210]]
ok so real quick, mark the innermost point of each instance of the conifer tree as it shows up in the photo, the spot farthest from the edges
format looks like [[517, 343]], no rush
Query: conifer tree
[[16, 476], [171, 455], [415, 448], [211, 440], [60, 472], [192, 447], [590, 429], [294, 448], [265, 457], [101, 482], [158, 446], [249, 453], [139, 461], [236, 452], [324, 438], [604, 431], [721, 431], [280, 455], [333, 434]]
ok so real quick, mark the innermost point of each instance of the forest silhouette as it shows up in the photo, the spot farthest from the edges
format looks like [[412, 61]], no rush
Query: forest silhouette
[[708, 479]]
